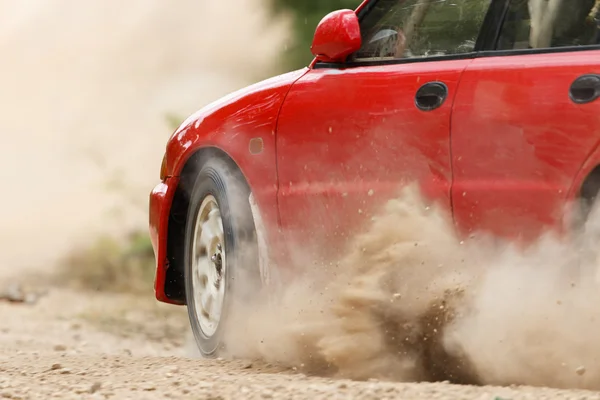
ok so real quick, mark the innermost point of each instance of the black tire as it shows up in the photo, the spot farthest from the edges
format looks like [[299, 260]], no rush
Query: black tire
[[242, 274]]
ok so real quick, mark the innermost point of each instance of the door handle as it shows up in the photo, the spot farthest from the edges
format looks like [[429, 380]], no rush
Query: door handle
[[431, 96], [585, 89]]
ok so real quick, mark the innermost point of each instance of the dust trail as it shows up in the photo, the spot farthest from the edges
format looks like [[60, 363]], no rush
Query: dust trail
[[411, 301], [86, 89]]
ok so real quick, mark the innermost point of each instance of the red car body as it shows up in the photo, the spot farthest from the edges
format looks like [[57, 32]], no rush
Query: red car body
[[324, 146]]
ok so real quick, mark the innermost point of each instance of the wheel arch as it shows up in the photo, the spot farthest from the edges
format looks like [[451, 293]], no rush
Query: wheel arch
[[587, 192], [584, 187], [175, 282]]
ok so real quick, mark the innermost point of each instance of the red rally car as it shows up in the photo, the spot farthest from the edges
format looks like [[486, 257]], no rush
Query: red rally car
[[490, 105]]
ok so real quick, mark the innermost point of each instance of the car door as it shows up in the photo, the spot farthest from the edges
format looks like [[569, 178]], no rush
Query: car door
[[350, 135], [524, 119]]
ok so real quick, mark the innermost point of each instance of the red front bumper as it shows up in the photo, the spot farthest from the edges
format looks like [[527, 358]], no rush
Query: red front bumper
[[160, 208]]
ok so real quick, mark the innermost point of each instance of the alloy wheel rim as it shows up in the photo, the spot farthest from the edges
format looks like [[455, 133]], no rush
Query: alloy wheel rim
[[209, 266]]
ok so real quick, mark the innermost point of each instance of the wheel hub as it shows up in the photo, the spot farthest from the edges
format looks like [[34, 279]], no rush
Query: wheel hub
[[209, 266], [217, 260]]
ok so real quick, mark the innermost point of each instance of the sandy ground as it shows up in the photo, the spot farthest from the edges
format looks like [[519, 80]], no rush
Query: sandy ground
[[68, 346]]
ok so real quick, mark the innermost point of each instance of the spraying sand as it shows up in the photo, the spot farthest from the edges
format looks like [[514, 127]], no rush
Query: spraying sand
[[411, 301]]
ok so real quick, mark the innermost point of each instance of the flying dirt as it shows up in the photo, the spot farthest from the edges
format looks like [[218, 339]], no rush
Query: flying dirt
[[411, 301]]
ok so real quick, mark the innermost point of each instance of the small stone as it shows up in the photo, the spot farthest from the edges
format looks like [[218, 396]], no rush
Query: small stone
[[65, 371], [14, 294], [95, 387], [54, 367], [580, 370], [60, 347]]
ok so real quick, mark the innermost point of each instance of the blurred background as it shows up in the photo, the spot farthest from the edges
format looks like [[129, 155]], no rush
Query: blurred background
[[91, 91]]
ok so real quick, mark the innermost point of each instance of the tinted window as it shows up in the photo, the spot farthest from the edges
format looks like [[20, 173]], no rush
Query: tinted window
[[535, 24], [421, 28]]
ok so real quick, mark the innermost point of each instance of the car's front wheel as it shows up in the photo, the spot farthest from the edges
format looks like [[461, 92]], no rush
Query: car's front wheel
[[221, 262]]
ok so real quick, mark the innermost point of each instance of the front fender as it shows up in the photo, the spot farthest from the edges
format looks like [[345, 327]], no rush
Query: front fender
[[243, 126], [231, 122]]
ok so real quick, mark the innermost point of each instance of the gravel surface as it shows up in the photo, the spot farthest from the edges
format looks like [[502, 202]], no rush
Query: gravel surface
[[80, 346]]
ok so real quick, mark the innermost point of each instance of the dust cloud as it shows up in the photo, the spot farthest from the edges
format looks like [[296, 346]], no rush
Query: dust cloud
[[85, 89], [412, 301]]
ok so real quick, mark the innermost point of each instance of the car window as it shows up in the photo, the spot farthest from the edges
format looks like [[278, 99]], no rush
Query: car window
[[399, 29], [538, 24]]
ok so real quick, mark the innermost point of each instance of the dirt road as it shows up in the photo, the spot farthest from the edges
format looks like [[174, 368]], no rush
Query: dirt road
[[74, 345]]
